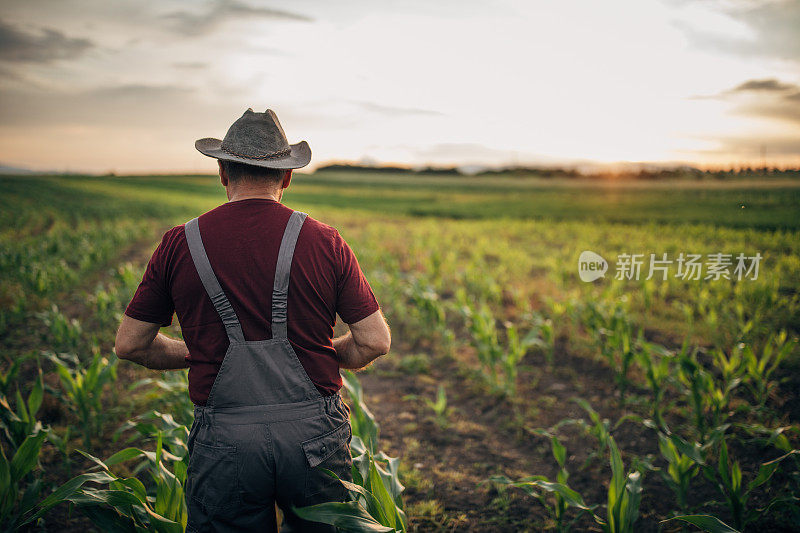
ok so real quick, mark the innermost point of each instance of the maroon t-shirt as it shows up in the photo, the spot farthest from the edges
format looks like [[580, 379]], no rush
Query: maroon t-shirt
[[242, 239]]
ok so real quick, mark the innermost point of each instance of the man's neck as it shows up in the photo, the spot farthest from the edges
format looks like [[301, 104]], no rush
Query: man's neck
[[244, 194]]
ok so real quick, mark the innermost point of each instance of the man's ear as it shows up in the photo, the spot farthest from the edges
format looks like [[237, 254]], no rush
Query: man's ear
[[223, 178], [287, 179]]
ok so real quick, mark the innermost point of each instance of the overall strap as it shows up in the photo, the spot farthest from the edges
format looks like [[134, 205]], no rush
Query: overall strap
[[280, 290], [210, 282]]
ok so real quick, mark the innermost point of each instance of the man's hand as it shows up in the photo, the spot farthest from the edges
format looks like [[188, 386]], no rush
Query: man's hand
[[367, 340], [141, 343]]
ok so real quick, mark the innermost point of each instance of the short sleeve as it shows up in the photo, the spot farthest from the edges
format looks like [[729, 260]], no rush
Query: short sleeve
[[354, 298], [152, 301]]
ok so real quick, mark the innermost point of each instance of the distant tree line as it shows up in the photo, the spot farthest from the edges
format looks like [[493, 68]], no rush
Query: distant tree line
[[681, 172]]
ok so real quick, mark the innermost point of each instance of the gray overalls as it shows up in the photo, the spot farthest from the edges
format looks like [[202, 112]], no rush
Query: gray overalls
[[266, 426]]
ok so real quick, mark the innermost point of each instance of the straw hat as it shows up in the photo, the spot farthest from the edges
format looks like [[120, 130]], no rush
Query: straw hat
[[257, 139]]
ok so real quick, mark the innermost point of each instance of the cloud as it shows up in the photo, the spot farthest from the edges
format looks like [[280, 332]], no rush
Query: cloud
[[44, 46], [784, 109], [394, 111], [194, 24], [773, 25], [769, 84], [119, 106], [751, 147], [767, 98], [190, 65], [457, 151], [7, 74]]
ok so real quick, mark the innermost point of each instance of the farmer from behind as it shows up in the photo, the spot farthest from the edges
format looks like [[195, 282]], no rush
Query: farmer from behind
[[256, 288]]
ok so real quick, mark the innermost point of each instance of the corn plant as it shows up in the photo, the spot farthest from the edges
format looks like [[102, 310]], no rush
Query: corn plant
[[562, 496], [760, 366], [63, 334], [728, 477], [656, 362], [438, 406], [82, 389], [362, 420], [613, 333], [153, 425], [478, 285], [61, 442], [620, 350], [731, 365], [20, 421], [171, 391], [126, 503], [481, 324], [498, 359], [428, 313], [623, 495], [9, 377], [729, 480], [624, 491], [599, 428], [18, 491], [542, 335], [376, 496], [708, 396], [599, 318], [683, 464]]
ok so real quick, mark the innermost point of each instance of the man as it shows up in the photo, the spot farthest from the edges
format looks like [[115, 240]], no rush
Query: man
[[256, 288]]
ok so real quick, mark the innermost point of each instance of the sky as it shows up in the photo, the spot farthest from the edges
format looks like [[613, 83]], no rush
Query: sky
[[127, 86]]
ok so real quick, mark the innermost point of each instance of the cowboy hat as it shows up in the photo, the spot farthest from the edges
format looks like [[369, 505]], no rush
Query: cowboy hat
[[257, 139]]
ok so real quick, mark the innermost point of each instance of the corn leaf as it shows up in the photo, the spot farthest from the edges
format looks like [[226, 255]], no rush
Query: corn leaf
[[26, 456], [766, 470], [67, 490], [570, 496], [705, 522], [348, 516]]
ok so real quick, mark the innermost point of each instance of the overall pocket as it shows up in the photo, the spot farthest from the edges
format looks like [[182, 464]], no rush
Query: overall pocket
[[330, 451], [213, 477]]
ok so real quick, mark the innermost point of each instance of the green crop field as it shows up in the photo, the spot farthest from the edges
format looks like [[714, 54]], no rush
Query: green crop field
[[516, 397]]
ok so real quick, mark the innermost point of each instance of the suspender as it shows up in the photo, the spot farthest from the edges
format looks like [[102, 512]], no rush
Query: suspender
[[280, 290], [210, 282]]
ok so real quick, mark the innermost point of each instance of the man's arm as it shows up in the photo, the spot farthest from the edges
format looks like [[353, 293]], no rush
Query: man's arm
[[141, 343], [367, 340]]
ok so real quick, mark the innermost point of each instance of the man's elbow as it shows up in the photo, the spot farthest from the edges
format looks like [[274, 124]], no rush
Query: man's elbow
[[382, 346], [125, 349], [122, 349]]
